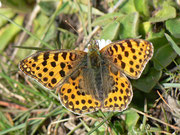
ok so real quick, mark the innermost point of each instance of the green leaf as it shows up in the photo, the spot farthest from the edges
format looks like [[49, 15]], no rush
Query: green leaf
[[9, 32], [148, 81], [72, 8], [20, 5], [142, 7], [127, 7], [8, 13], [48, 6], [129, 26], [173, 44], [144, 29], [164, 56], [173, 26], [152, 35], [111, 31], [132, 118], [157, 3], [158, 42], [165, 13]]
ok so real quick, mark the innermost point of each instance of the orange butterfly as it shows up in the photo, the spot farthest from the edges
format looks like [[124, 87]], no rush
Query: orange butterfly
[[90, 81]]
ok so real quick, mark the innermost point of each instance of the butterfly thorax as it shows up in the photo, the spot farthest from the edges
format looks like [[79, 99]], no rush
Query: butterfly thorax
[[94, 65], [93, 60]]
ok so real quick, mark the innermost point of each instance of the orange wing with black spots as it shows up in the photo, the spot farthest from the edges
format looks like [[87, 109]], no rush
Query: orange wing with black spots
[[130, 56], [50, 68], [120, 94], [81, 94], [76, 95]]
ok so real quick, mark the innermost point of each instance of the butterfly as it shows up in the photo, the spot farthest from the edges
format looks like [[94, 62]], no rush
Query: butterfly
[[93, 80]]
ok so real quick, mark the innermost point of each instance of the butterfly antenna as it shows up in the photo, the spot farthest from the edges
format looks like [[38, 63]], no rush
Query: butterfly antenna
[[71, 26]]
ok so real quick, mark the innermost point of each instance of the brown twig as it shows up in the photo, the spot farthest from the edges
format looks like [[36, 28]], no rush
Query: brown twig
[[12, 105]]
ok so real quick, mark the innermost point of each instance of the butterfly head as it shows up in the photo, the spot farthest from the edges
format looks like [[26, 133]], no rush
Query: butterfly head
[[96, 45], [93, 47]]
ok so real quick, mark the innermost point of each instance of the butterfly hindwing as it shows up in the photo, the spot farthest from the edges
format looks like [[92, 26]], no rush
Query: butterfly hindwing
[[76, 95], [119, 94]]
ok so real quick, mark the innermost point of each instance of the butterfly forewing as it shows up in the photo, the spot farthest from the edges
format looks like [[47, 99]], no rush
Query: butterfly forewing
[[130, 55], [50, 68]]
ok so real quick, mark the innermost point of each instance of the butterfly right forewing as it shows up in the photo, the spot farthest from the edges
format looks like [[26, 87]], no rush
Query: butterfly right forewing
[[130, 56]]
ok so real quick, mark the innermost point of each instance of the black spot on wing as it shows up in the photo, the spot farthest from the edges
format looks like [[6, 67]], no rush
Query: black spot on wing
[[64, 55], [46, 56]]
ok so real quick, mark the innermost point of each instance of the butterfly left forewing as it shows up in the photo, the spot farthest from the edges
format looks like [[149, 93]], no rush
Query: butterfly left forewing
[[50, 68]]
